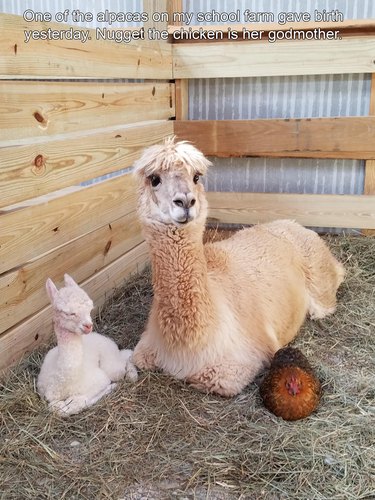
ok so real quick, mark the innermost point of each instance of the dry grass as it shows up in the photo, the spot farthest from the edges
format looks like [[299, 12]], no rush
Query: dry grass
[[160, 439]]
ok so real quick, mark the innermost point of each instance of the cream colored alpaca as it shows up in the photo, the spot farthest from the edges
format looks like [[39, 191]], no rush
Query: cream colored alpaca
[[84, 365], [221, 310]]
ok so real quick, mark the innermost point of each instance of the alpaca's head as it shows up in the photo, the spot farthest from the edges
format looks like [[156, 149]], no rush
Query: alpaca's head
[[71, 307], [170, 191]]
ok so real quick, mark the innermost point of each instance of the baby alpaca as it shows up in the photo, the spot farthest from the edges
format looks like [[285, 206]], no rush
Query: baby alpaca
[[84, 365]]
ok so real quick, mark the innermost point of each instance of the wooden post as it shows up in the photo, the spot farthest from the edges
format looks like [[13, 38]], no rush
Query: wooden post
[[370, 164], [156, 7], [181, 85]]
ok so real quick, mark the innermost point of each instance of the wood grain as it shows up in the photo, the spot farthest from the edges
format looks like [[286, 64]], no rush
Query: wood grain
[[28, 335], [42, 167], [347, 211], [74, 59], [349, 27], [351, 137], [156, 7], [28, 232], [22, 291], [283, 58], [182, 99], [43, 109], [181, 86]]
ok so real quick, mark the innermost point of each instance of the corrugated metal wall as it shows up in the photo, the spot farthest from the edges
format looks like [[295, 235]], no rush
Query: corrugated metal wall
[[283, 97], [273, 97], [54, 6]]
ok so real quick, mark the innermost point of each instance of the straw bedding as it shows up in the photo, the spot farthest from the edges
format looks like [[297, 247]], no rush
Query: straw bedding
[[159, 439]]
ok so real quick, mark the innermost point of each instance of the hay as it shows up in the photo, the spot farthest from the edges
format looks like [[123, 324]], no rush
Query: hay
[[159, 439]]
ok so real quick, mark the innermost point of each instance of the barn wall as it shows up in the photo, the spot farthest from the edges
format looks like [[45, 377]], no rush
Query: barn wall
[[265, 97], [284, 97], [67, 117]]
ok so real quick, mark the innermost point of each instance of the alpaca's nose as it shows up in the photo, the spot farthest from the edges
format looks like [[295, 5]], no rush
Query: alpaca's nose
[[184, 200], [87, 327]]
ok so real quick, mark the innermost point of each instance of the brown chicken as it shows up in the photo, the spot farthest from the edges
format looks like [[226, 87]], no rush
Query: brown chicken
[[290, 389]]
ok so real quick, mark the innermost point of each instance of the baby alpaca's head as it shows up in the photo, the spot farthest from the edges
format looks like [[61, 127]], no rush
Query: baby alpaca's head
[[71, 307]]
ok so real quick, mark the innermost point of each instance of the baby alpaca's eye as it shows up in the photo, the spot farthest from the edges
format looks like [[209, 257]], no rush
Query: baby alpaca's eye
[[196, 178], [155, 180]]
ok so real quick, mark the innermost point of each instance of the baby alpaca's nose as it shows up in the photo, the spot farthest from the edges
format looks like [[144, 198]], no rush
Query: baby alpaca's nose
[[87, 327]]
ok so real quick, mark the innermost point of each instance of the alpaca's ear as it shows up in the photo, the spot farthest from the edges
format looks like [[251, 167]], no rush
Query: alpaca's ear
[[69, 281], [51, 290]]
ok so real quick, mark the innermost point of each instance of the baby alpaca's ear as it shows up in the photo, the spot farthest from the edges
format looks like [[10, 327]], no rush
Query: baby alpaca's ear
[[69, 281], [51, 290]]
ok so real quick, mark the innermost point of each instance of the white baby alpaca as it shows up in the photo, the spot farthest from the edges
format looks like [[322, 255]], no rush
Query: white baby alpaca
[[83, 366]]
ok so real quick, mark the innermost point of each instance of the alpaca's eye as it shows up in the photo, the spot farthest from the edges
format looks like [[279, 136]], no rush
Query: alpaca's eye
[[155, 180], [196, 178]]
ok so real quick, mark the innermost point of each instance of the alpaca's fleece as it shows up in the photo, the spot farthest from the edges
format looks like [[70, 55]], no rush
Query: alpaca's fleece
[[220, 311], [83, 366]]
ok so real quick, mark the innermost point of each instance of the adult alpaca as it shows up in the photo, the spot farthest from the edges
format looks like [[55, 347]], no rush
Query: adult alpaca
[[221, 310]]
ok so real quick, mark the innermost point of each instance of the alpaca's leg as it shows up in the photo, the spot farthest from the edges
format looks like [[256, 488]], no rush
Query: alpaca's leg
[[114, 366], [77, 403], [131, 370], [225, 380], [144, 357], [111, 361]]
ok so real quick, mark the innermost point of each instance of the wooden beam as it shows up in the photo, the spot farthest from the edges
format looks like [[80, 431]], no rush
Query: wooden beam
[[182, 99], [159, 8], [22, 291], [370, 164], [62, 58], [282, 58], [42, 167], [353, 27], [181, 86], [346, 211], [43, 109], [351, 137], [28, 335], [28, 232]]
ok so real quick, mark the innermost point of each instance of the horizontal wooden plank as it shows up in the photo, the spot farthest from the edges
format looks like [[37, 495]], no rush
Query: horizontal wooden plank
[[27, 233], [305, 57], [308, 209], [22, 291], [25, 337], [346, 137], [62, 58], [349, 27], [41, 167], [40, 109]]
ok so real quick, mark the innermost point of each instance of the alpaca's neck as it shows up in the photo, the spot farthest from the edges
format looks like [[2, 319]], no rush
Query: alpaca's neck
[[70, 350], [181, 292]]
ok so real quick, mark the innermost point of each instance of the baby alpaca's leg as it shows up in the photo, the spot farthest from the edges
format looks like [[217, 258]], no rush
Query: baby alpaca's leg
[[112, 362], [79, 402], [131, 370]]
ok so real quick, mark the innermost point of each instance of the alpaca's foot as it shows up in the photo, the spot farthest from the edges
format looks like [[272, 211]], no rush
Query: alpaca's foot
[[77, 403], [120, 366], [226, 381], [144, 357], [130, 369]]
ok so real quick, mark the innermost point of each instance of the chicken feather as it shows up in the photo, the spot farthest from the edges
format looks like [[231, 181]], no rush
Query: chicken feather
[[290, 389]]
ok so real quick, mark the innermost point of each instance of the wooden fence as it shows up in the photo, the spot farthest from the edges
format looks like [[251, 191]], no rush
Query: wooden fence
[[78, 125]]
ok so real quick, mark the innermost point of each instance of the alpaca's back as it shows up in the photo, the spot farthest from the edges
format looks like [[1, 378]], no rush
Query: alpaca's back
[[269, 273]]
